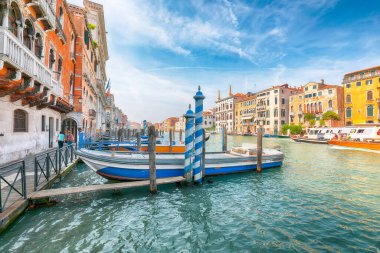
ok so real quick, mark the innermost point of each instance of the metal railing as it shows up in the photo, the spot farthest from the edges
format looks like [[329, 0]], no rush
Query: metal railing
[[50, 163], [16, 176], [11, 181]]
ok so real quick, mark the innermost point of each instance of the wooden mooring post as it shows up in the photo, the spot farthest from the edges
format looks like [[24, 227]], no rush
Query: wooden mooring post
[[259, 149], [224, 140], [171, 140], [138, 141], [152, 159], [180, 135], [204, 153]]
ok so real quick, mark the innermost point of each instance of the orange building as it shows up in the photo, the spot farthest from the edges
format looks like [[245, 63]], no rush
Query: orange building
[[85, 80]]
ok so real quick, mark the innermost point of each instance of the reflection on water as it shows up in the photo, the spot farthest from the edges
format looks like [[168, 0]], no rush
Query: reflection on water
[[322, 199]]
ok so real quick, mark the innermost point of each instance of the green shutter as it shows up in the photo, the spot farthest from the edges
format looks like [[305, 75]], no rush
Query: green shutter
[[86, 38]]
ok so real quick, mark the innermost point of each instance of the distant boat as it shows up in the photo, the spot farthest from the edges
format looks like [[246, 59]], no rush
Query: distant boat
[[270, 136], [135, 166], [283, 136], [371, 145]]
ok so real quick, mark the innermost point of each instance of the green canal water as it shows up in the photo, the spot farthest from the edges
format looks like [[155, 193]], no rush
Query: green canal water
[[321, 200]]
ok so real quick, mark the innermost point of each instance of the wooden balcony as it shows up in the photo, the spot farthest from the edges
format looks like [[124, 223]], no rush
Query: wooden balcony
[[44, 12], [20, 57]]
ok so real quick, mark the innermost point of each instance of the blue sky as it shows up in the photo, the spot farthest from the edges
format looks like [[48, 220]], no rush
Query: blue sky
[[160, 51]]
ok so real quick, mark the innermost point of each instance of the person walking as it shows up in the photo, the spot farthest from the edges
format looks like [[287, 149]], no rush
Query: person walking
[[69, 138], [61, 139]]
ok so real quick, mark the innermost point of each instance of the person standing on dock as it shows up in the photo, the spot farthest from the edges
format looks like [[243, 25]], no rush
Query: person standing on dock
[[61, 139]]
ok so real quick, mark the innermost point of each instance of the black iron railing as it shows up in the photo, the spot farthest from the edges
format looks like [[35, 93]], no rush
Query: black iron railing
[[10, 175]]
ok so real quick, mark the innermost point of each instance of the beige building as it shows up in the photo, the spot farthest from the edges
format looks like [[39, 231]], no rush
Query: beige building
[[272, 107], [224, 111], [245, 115]]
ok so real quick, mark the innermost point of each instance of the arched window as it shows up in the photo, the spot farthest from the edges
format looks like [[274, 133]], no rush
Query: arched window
[[330, 104], [348, 112], [370, 111], [14, 18], [300, 108], [315, 107], [28, 34], [51, 59], [369, 95], [20, 121], [59, 68], [38, 46], [308, 108], [348, 98], [320, 106]]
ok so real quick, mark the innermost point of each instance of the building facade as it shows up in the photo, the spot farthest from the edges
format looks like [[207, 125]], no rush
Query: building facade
[[245, 115], [35, 75], [169, 124], [224, 111], [362, 96], [272, 107], [180, 125], [209, 119], [317, 98]]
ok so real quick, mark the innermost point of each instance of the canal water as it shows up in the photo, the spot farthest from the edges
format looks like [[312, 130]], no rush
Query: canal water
[[321, 199]]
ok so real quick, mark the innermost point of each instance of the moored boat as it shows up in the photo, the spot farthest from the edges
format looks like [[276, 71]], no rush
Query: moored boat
[[371, 145], [135, 166]]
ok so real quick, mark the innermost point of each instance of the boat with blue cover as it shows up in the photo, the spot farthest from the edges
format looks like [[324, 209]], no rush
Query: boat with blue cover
[[135, 166]]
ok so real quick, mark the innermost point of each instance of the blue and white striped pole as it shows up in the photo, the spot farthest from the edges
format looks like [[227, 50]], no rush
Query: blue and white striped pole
[[145, 126], [189, 144], [198, 135]]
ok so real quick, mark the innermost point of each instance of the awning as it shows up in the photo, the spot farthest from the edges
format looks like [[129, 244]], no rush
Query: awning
[[247, 117]]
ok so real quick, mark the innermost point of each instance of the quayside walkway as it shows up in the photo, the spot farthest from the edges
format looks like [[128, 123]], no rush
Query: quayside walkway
[[19, 179]]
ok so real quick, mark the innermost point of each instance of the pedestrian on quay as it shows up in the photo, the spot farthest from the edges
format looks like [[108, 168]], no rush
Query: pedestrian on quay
[[61, 139], [69, 138]]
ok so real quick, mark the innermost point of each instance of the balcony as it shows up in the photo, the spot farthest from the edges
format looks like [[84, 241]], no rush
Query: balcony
[[60, 32], [92, 113], [44, 12], [300, 113], [261, 108], [291, 114], [20, 57]]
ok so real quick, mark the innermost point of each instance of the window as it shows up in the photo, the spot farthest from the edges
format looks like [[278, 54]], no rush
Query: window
[[361, 75], [348, 112], [28, 34], [314, 87], [330, 103], [51, 59], [38, 46], [43, 123], [283, 101], [348, 98], [20, 121], [368, 82], [330, 92], [283, 112], [282, 122], [314, 94], [372, 72], [320, 93], [275, 114], [370, 111], [358, 84], [369, 95], [306, 88], [348, 85], [299, 97], [275, 100], [57, 125]]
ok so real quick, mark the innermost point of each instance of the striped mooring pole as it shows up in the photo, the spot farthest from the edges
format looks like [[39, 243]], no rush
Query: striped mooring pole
[[189, 144], [145, 127], [198, 135]]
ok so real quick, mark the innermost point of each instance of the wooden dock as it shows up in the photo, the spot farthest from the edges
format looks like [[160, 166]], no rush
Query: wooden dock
[[44, 194]]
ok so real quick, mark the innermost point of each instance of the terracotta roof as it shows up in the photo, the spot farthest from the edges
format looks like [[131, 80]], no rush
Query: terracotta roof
[[376, 67], [207, 113]]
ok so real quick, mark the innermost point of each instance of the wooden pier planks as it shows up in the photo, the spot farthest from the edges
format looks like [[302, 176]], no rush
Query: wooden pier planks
[[103, 187]]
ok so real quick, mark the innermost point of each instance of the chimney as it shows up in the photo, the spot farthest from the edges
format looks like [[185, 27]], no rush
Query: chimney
[[230, 91], [322, 81], [218, 94]]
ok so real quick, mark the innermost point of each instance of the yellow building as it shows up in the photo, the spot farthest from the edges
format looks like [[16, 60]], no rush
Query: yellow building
[[245, 114], [317, 98], [361, 96]]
